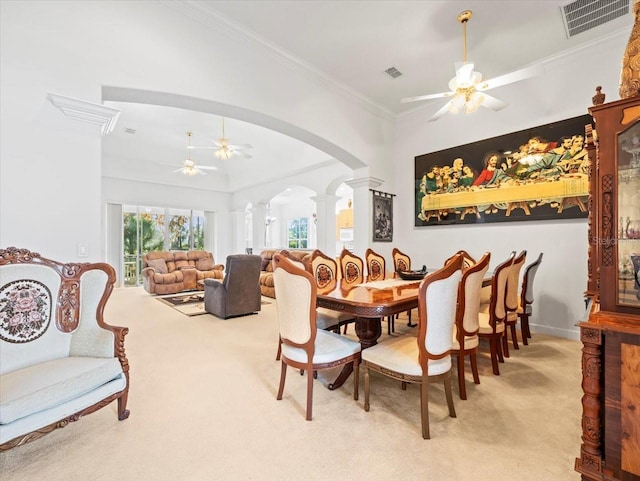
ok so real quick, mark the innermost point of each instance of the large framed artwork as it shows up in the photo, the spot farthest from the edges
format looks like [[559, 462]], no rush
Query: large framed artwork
[[382, 216], [539, 173]]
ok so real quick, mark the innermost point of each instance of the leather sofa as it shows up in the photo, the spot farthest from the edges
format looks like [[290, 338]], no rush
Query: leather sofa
[[266, 269], [176, 271]]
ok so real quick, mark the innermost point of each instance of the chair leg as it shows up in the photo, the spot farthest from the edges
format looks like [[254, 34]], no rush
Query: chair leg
[[449, 394], [409, 323], [356, 380], [524, 328], [279, 349], [283, 375], [505, 343], [424, 408], [366, 387], [514, 337], [494, 346], [462, 387], [309, 396], [474, 367], [499, 349]]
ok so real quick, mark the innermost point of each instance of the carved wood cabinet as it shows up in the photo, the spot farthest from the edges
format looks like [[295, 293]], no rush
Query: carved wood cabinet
[[610, 336]]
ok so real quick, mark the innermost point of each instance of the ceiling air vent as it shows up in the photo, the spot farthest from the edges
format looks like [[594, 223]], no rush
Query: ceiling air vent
[[582, 15], [129, 130], [393, 72]]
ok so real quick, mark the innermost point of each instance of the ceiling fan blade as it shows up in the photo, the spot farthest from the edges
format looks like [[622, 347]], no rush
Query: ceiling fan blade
[[199, 171], [240, 146], [443, 110], [207, 167], [241, 154], [426, 97], [195, 147], [512, 77], [177, 170], [492, 103]]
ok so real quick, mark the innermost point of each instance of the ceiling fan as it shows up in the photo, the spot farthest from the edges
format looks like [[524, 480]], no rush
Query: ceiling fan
[[467, 87], [225, 150], [189, 167]]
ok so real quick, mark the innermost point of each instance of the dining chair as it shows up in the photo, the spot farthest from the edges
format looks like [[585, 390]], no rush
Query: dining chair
[[512, 301], [325, 273], [351, 270], [465, 330], [467, 259], [304, 346], [402, 262], [377, 271], [492, 315], [427, 358], [526, 298]]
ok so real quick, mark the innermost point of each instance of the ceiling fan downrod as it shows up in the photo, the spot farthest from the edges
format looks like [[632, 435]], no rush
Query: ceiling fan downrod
[[463, 18]]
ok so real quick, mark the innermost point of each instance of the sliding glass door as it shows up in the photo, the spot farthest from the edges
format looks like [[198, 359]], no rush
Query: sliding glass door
[[146, 229]]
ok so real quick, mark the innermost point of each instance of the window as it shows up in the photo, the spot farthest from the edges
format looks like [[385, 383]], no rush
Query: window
[[297, 233]]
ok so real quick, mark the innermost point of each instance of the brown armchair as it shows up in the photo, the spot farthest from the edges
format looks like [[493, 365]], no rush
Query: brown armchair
[[239, 293]]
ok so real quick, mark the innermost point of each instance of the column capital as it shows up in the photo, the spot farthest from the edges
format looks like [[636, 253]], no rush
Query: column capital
[[369, 182]]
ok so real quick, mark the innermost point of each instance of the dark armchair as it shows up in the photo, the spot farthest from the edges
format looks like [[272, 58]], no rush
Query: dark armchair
[[239, 293]]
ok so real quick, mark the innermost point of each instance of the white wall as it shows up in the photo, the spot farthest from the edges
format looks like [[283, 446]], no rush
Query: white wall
[[565, 91], [50, 177]]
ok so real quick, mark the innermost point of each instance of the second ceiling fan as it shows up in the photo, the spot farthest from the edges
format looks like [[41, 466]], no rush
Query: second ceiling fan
[[467, 87], [224, 150]]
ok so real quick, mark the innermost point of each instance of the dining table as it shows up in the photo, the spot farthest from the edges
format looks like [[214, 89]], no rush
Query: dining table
[[369, 303]]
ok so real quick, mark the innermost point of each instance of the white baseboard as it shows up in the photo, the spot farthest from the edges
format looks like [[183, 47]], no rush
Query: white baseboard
[[573, 334]]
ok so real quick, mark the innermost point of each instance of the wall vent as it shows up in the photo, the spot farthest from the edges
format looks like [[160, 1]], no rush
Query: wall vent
[[582, 15], [129, 130], [393, 72]]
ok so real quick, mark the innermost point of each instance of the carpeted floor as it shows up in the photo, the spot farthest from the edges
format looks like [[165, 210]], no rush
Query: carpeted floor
[[203, 407]]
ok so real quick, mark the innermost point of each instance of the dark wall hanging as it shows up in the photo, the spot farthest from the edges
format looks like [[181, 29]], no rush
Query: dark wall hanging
[[539, 173], [382, 216]]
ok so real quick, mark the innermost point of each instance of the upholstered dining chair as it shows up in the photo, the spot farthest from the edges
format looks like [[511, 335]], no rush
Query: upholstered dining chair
[[402, 262], [467, 259], [377, 271], [465, 332], [492, 315], [428, 358], [526, 298], [325, 272], [304, 346], [351, 270], [238, 294], [512, 301]]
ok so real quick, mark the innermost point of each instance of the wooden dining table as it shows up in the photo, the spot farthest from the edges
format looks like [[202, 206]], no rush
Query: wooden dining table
[[369, 303]]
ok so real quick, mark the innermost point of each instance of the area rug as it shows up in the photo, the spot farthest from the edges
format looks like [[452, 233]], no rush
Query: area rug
[[189, 304]]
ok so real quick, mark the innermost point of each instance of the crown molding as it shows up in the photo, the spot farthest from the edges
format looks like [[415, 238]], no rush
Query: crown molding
[[84, 111]]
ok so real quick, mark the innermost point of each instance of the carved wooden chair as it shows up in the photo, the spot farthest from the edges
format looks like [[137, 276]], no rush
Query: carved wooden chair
[[426, 359], [493, 314], [467, 259], [377, 271], [325, 272], [465, 332], [526, 298], [351, 268], [402, 262], [512, 300], [304, 346]]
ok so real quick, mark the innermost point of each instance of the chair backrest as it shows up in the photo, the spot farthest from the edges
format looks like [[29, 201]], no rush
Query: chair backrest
[[469, 297], [513, 282], [401, 261], [437, 300], [351, 268], [296, 260], [325, 271], [467, 259], [296, 303], [376, 265], [526, 294], [497, 308], [242, 275]]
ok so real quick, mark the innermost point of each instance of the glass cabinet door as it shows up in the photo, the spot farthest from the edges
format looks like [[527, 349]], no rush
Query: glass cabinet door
[[628, 234]]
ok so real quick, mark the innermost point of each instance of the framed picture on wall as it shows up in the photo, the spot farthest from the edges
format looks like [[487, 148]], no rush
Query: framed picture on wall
[[541, 173], [382, 216]]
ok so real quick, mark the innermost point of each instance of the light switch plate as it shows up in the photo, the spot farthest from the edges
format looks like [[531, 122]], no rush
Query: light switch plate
[[82, 250]]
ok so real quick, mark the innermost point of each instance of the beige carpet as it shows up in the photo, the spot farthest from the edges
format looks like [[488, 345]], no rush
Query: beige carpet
[[203, 407]]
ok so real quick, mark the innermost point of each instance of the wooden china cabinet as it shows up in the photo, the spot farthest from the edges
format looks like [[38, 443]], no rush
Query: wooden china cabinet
[[610, 336]]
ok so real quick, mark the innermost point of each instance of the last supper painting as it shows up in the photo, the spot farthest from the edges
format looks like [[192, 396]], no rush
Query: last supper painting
[[541, 173]]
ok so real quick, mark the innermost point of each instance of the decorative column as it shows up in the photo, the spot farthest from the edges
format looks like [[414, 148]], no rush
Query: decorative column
[[362, 212], [326, 223]]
